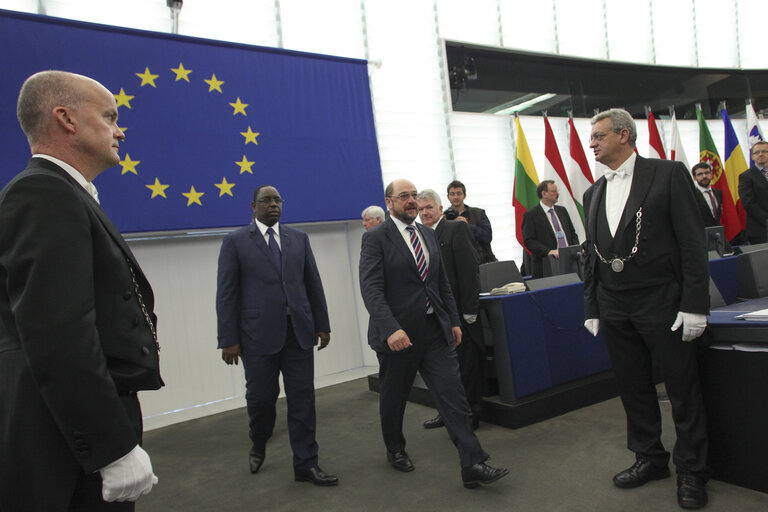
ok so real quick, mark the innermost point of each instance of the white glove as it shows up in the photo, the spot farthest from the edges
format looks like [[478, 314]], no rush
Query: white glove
[[592, 325], [470, 319], [128, 477], [693, 324]]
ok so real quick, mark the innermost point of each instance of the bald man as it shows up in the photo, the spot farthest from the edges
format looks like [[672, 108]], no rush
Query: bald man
[[77, 327]]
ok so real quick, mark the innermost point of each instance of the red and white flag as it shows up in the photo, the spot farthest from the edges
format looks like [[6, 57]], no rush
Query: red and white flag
[[676, 151], [579, 173], [656, 149]]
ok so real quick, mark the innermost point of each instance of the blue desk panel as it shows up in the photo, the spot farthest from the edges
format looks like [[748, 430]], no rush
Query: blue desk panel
[[724, 272]]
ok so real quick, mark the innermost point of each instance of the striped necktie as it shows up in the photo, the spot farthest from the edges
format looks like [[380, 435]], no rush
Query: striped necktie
[[421, 261]]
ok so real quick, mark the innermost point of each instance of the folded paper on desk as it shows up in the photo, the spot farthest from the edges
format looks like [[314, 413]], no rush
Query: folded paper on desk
[[508, 289], [741, 347], [755, 316]]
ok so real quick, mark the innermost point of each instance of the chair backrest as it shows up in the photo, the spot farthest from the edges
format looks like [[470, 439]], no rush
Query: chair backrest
[[715, 297], [498, 273], [753, 274], [549, 282]]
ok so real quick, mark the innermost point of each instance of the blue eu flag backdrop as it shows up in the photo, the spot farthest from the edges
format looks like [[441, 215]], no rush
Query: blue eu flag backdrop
[[206, 122]]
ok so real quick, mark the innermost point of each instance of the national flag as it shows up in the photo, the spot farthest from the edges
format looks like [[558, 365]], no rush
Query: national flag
[[555, 170], [676, 151], [526, 181], [656, 147], [708, 153], [753, 130], [579, 173], [734, 165]]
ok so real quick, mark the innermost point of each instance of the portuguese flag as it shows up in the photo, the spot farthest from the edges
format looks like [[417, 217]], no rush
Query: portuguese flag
[[526, 181], [708, 153]]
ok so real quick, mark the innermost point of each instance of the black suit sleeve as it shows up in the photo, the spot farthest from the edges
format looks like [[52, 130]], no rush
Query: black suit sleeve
[[570, 231], [591, 309], [749, 198], [47, 261], [373, 282], [481, 229], [467, 270], [315, 290]]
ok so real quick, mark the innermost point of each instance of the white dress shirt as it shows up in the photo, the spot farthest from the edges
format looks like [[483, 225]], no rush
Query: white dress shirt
[[263, 228], [549, 218], [617, 192], [407, 237], [79, 178]]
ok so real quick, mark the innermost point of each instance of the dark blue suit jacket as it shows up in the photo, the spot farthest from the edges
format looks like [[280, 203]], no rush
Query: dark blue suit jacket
[[252, 300], [393, 291]]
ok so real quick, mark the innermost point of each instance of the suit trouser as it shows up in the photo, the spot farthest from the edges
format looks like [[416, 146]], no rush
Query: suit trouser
[[636, 325], [438, 365], [262, 388], [471, 357]]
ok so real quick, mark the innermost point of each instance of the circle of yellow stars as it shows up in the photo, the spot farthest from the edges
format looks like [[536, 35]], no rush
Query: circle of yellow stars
[[157, 188]]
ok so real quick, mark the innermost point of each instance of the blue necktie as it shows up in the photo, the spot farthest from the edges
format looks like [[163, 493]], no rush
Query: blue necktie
[[275, 250]]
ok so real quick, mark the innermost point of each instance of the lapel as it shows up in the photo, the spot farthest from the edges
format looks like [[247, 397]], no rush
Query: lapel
[[440, 231], [260, 244], [95, 207], [642, 177], [398, 242], [594, 207]]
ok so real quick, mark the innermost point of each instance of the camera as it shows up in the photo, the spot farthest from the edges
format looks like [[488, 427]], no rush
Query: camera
[[450, 214]]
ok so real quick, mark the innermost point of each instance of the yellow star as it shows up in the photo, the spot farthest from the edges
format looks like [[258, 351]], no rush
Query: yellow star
[[214, 84], [224, 187], [147, 78], [181, 73], [129, 165], [123, 99], [157, 189], [250, 136], [123, 129], [245, 165], [239, 107], [193, 196]]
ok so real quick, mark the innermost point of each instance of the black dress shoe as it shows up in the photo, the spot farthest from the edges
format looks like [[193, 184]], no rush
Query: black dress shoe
[[481, 473], [435, 422], [315, 475], [400, 461], [691, 490], [255, 459], [641, 472]]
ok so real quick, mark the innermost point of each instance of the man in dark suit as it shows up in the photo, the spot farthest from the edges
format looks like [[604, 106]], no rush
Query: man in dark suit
[[547, 227], [753, 191], [271, 313], [646, 286], [708, 199], [77, 327], [463, 269], [478, 221], [414, 326]]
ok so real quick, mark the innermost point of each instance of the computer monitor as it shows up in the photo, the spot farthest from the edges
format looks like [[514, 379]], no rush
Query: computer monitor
[[570, 261], [716, 241]]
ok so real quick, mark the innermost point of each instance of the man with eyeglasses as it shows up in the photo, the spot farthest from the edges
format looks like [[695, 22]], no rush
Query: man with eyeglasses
[[271, 313], [646, 287], [753, 191], [710, 200], [414, 326]]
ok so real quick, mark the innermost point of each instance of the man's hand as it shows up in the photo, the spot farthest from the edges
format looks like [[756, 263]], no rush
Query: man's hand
[[230, 354], [323, 339], [693, 325], [592, 325], [398, 341], [555, 253], [461, 219], [128, 477], [456, 335]]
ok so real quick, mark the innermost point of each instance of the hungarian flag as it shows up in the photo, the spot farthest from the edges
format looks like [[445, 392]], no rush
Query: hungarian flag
[[579, 172], [555, 170], [656, 149], [526, 181], [754, 132], [734, 165], [708, 153], [676, 151]]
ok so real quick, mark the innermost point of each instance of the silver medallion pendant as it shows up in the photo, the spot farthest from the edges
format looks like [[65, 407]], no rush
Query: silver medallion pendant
[[617, 265]]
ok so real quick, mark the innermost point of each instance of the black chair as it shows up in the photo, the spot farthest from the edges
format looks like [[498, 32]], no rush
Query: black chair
[[753, 274], [498, 273]]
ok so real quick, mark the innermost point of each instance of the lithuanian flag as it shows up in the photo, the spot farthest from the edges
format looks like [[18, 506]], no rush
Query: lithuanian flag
[[526, 181]]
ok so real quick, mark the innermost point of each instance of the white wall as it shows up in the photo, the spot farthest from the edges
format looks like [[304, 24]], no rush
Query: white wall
[[419, 136]]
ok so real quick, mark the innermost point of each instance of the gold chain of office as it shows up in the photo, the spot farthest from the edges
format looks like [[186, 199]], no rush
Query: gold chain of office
[[617, 264]]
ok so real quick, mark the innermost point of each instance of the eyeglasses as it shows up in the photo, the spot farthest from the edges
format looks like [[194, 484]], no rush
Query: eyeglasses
[[269, 200], [597, 137], [405, 195], [703, 173]]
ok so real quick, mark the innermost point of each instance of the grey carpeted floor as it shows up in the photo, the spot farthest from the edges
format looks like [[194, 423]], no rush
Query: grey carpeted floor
[[564, 464]]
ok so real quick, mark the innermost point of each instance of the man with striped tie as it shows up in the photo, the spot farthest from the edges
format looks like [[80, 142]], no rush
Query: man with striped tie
[[414, 326]]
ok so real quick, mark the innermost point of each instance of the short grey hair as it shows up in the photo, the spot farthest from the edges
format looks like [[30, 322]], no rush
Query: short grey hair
[[428, 193], [40, 94], [620, 119], [374, 212]]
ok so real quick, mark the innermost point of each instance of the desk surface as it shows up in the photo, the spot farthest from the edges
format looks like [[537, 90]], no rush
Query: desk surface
[[725, 315]]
